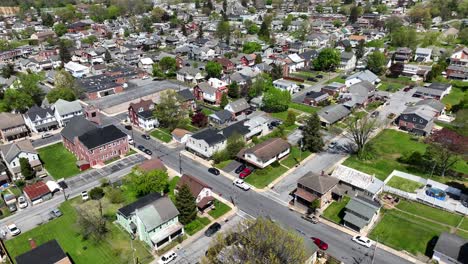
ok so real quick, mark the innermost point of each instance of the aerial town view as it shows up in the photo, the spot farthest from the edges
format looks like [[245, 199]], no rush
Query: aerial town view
[[233, 131]]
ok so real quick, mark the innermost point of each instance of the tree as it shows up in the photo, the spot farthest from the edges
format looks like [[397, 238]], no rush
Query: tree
[[200, 31], [60, 93], [337, 23], [404, 37], [290, 119], [145, 182], [213, 69], [224, 100], [263, 241], [233, 90], [276, 71], [47, 20], [223, 30], [261, 83], [200, 119], [315, 205], [107, 56], [319, 8], [440, 157], [113, 12], [157, 14], [146, 25], [27, 83], [186, 205], [64, 80], [312, 138], [360, 49], [60, 29], [355, 12], [98, 13], [225, 5], [234, 144], [359, 132], [463, 36], [91, 221], [275, 100], [258, 59], [264, 32], [327, 60], [251, 47], [26, 169], [8, 70], [96, 193], [168, 65], [376, 62], [16, 100], [89, 40], [157, 72], [393, 23], [169, 112], [64, 53]]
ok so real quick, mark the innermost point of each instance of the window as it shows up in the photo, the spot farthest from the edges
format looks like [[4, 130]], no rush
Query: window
[[405, 117], [414, 118], [420, 121], [14, 164]]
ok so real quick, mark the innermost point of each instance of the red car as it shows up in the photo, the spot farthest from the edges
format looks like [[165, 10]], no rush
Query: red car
[[244, 173], [322, 245]]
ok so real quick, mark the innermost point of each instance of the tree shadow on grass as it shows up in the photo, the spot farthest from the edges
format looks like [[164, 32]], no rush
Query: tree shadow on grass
[[430, 246]]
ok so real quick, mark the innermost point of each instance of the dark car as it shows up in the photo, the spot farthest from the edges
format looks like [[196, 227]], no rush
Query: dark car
[[140, 147], [12, 208], [214, 171], [320, 244], [149, 152], [128, 127], [240, 168], [212, 229], [276, 123], [313, 79], [145, 137], [320, 76]]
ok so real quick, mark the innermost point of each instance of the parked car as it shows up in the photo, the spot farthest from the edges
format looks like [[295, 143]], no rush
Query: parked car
[[313, 79], [56, 213], [149, 152], [240, 168], [12, 207], [332, 144], [375, 114], [363, 241], [212, 229], [245, 172], [168, 257], [46, 135], [214, 171], [311, 218], [84, 196], [128, 127], [241, 184], [130, 139], [146, 137], [320, 244], [22, 203], [320, 76], [14, 230], [140, 147]]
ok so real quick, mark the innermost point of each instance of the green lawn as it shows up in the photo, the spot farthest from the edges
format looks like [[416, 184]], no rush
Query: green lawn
[[223, 164], [462, 233], [404, 184], [220, 209], [111, 160], [304, 74], [161, 135], [337, 79], [464, 224], [454, 97], [196, 225], [172, 184], [262, 177], [390, 86], [303, 108], [207, 111], [283, 115], [58, 161], [130, 152], [115, 248], [428, 212], [335, 211], [295, 157], [403, 232]]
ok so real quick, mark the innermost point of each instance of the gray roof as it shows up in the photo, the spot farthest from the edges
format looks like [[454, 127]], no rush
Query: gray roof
[[157, 213], [10, 151], [210, 136], [423, 111], [206, 88], [345, 56], [436, 104], [76, 127], [318, 183], [362, 207], [64, 107], [238, 105], [364, 76], [429, 91], [453, 246], [35, 111], [333, 113], [222, 115], [8, 120]]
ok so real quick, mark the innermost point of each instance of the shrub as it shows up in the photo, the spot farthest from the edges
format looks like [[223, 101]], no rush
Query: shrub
[[115, 196]]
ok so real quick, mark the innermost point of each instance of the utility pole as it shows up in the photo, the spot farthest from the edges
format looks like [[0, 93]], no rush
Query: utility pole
[[180, 163]]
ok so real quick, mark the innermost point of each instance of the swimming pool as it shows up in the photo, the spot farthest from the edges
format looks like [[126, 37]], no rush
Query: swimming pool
[[436, 193]]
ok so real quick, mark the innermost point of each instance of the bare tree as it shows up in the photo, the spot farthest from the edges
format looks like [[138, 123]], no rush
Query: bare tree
[[441, 157], [91, 221], [359, 131]]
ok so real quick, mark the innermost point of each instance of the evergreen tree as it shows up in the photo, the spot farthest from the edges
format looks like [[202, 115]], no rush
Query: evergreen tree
[[224, 100], [312, 139], [225, 6], [26, 169], [264, 32], [64, 53], [184, 30], [107, 56], [186, 204], [200, 31], [360, 50], [233, 91]]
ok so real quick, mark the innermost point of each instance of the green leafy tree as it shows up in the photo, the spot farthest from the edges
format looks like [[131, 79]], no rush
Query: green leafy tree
[[47, 20], [404, 37], [440, 157], [287, 22], [327, 60], [142, 182], [186, 205], [27, 83], [223, 30], [234, 144], [113, 12], [168, 64], [393, 23], [253, 29], [17, 101], [60, 29], [355, 12], [157, 14], [463, 36], [276, 71], [89, 40], [213, 69], [224, 100], [64, 53], [96, 193], [312, 138], [337, 23], [157, 71], [315, 204], [275, 100], [169, 112], [98, 13], [26, 169], [319, 8], [264, 32], [107, 56], [261, 83], [360, 49], [376, 62], [64, 80], [8, 70], [258, 59], [251, 47], [146, 24], [233, 91], [60, 93], [290, 119]]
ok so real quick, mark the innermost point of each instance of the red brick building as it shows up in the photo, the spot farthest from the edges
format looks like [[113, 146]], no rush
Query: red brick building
[[228, 66]]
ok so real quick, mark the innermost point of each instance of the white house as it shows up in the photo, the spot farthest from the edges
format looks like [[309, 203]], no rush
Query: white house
[[206, 142], [190, 75], [265, 153], [39, 119], [202, 192], [362, 76], [146, 63], [76, 69], [423, 55], [257, 125], [348, 61], [180, 135], [297, 63], [65, 110], [11, 154], [286, 85]]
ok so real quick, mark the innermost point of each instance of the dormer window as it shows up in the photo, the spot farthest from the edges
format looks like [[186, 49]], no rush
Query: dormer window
[[140, 110], [151, 106]]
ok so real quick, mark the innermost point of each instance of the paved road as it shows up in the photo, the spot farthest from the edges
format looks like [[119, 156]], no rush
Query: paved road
[[299, 97]]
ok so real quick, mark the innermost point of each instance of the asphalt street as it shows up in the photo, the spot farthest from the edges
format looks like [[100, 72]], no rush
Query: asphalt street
[[299, 97]]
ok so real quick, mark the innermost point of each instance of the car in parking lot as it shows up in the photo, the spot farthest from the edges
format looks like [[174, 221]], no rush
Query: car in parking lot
[[240, 168], [212, 229], [22, 203], [168, 257], [245, 172], [14, 230], [320, 243], [241, 184], [146, 137], [332, 144], [149, 152], [84, 196], [214, 171], [363, 241], [56, 213]]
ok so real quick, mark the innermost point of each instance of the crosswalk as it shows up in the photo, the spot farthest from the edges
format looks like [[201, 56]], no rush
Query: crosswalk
[[274, 196]]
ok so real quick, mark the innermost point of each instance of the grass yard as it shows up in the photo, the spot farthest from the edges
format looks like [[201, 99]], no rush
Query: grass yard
[[454, 97], [115, 248], [261, 178], [58, 161], [390, 86], [207, 111], [335, 211], [304, 74], [428, 212], [403, 232], [404, 184], [220, 209], [223, 164], [462, 233], [283, 115], [161, 135], [172, 184], [130, 152], [295, 157], [338, 79], [196, 225], [464, 224], [303, 108]]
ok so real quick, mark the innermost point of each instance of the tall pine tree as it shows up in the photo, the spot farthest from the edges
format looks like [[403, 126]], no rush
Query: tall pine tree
[[185, 203], [312, 139], [26, 169]]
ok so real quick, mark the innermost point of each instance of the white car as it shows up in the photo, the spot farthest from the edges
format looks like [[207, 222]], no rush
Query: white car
[[168, 257], [14, 230], [84, 196], [241, 184], [22, 203], [363, 241]]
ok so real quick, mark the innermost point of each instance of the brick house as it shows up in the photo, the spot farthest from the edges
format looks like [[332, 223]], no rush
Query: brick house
[[141, 114], [311, 187], [210, 91], [228, 66], [201, 191]]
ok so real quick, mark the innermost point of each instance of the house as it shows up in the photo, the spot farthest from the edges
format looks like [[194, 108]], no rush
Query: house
[[188, 99], [228, 66], [152, 164], [210, 91], [433, 90], [332, 114], [334, 88], [206, 142], [450, 249], [76, 69], [361, 213], [146, 64], [296, 62], [201, 191], [458, 68], [362, 76], [141, 114], [3, 174], [418, 119], [354, 182], [265, 153], [347, 61], [11, 154], [221, 118], [152, 219], [37, 192], [423, 55], [238, 107], [180, 135], [93, 145], [311, 187], [286, 85], [403, 54], [359, 94], [65, 110], [416, 71], [257, 125], [40, 119], [43, 36], [190, 75], [12, 126], [47, 253], [102, 85], [315, 98]]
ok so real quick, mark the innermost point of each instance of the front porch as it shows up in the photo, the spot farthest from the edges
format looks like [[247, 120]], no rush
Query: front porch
[[166, 235]]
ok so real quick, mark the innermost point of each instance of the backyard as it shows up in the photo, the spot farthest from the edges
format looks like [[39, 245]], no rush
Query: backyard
[[390, 86], [295, 157], [431, 213], [262, 177], [58, 161], [335, 211], [161, 135], [338, 79], [454, 97], [219, 210], [303, 108], [404, 184]]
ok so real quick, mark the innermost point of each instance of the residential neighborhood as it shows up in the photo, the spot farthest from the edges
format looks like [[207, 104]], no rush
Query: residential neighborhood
[[185, 132]]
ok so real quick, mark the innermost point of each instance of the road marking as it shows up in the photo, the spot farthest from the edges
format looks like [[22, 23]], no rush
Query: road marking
[[244, 215], [273, 198]]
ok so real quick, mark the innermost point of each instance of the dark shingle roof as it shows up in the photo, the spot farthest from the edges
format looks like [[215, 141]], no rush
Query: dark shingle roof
[[318, 183], [453, 246], [47, 253], [238, 128], [210, 136], [186, 95], [143, 201], [76, 127], [100, 136]]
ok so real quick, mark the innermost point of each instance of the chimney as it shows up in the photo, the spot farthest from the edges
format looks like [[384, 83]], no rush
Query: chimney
[[32, 243]]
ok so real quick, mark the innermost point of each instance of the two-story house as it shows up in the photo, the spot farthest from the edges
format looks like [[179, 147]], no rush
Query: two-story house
[[359, 94], [187, 99], [458, 68], [419, 119], [450, 249], [206, 142], [65, 110], [141, 114], [152, 219], [190, 75], [76, 69], [238, 108], [347, 61], [202, 192], [13, 152], [361, 213], [228, 66], [265, 153], [311, 187], [211, 91], [12, 126], [423, 55], [362, 76], [403, 54], [40, 119]]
